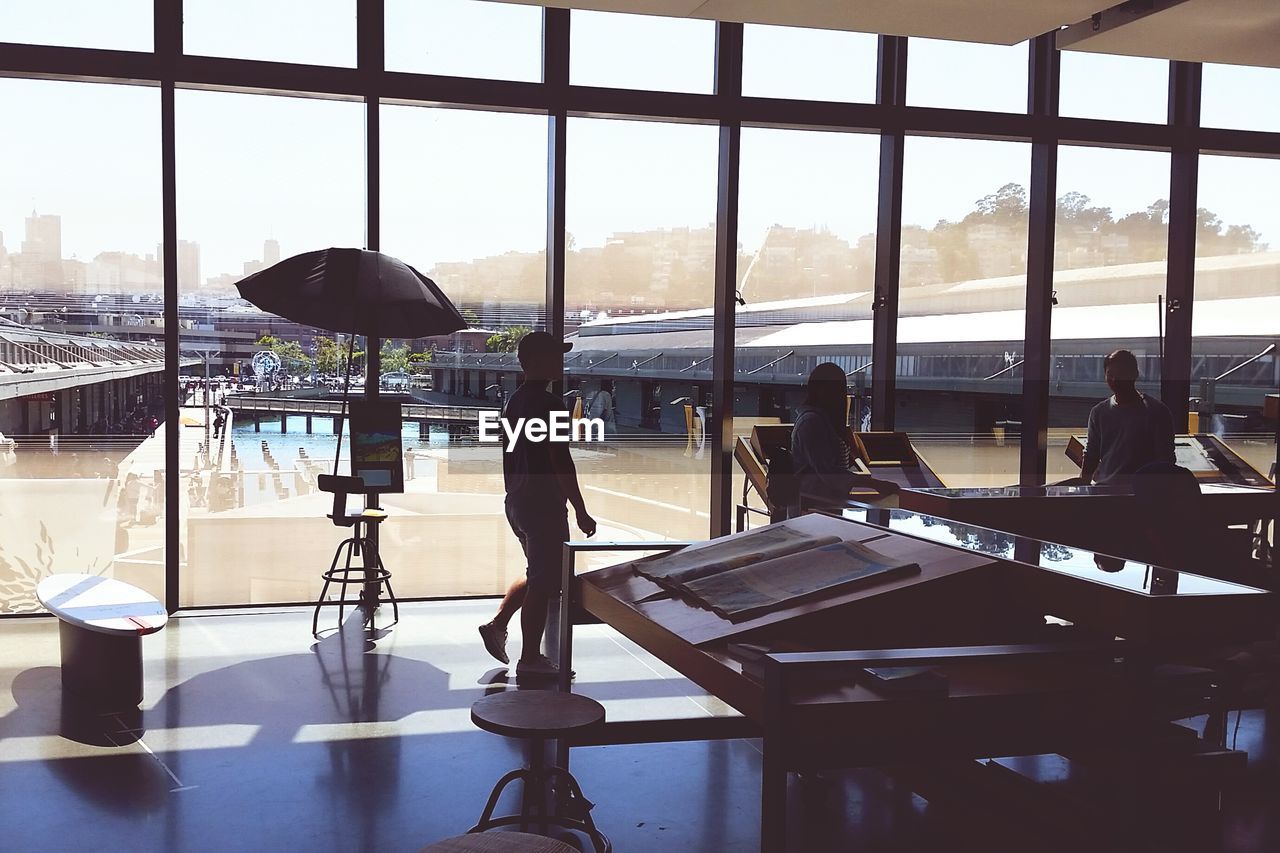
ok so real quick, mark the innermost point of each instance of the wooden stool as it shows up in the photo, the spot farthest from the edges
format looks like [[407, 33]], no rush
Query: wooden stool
[[535, 716], [101, 622], [500, 842]]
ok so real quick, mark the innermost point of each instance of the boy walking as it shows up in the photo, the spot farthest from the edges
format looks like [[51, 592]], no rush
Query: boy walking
[[540, 479]]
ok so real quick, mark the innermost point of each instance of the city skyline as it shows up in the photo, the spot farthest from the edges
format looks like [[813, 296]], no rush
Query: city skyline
[[671, 268]]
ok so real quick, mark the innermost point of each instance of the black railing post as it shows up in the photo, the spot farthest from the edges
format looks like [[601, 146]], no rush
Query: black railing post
[[891, 92], [728, 91], [1042, 102], [1184, 117]]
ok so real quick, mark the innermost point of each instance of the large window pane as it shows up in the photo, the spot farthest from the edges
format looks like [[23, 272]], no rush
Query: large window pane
[[807, 223], [1237, 310], [962, 306], [254, 530], [962, 75], [817, 65], [314, 32], [464, 200], [1121, 88], [465, 38], [1241, 97], [81, 338], [118, 25], [1112, 237], [638, 290], [641, 52]]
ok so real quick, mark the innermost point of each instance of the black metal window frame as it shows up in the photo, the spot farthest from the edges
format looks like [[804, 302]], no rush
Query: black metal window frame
[[371, 83]]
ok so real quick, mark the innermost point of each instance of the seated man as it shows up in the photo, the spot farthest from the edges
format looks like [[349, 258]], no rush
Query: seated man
[[1128, 430], [821, 444]]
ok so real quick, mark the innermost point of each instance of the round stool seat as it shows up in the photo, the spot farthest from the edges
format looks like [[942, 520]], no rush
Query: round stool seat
[[535, 713], [499, 842]]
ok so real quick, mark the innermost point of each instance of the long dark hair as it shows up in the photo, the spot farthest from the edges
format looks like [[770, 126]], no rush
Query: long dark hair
[[827, 391]]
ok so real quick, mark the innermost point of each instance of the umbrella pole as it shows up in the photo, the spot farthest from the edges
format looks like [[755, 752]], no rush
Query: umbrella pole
[[372, 375], [346, 393]]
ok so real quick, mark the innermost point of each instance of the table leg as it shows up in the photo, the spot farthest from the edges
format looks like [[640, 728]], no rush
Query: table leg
[[369, 593], [565, 644], [773, 797], [102, 669]]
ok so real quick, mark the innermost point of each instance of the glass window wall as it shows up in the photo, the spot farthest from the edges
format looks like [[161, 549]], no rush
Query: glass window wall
[[966, 76], [464, 200], [313, 32], [641, 52], [806, 267], [638, 293], [1239, 96], [465, 38], [816, 65], [463, 197], [962, 306], [81, 338], [1119, 88], [119, 25], [1110, 250], [253, 525], [1237, 308]]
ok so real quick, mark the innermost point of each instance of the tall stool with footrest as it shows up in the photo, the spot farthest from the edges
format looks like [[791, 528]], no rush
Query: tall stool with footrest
[[536, 716], [370, 569]]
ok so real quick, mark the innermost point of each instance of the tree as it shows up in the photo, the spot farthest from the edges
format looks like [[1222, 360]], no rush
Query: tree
[[1007, 203], [419, 362], [1211, 239], [507, 340], [329, 355], [1076, 212], [395, 359], [1147, 232], [471, 317]]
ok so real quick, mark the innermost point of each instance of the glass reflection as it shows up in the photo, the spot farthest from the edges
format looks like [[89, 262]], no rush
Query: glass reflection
[[1079, 562]]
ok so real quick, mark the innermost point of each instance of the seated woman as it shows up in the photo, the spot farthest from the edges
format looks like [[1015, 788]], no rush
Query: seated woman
[[822, 445]]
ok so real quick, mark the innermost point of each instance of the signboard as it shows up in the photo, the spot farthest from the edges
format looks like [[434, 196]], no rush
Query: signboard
[[42, 397], [375, 444]]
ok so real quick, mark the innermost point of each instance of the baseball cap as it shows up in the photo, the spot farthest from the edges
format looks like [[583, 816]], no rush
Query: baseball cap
[[539, 343]]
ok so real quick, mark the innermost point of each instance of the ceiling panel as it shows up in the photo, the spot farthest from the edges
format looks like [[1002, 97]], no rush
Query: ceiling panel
[[1234, 32], [992, 21]]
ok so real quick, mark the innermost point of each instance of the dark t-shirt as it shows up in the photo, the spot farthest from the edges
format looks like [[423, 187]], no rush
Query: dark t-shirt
[[1126, 437], [526, 468]]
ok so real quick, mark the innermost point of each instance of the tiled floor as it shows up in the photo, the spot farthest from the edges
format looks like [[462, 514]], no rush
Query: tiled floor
[[253, 737]]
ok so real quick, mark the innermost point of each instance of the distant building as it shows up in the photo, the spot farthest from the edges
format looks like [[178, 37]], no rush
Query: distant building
[[39, 264], [122, 272], [188, 263], [270, 252], [44, 237]]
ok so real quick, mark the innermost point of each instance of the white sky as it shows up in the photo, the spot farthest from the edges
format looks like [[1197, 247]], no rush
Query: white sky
[[463, 184]]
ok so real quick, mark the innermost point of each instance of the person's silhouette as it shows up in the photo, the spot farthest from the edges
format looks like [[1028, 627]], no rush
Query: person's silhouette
[[540, 478], [1128, 430], [822, 445]]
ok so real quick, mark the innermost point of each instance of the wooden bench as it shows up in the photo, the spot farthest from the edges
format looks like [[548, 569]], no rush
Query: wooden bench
[[101, 623]]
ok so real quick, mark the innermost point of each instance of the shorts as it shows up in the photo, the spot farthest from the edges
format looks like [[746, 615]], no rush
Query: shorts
[[542, 528]]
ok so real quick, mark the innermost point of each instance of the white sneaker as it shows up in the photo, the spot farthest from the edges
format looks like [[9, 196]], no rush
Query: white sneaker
[[539, 666], [495, 641]]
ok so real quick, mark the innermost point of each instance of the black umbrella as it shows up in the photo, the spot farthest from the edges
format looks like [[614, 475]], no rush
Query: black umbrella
[[353, 291], [357, 292]]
